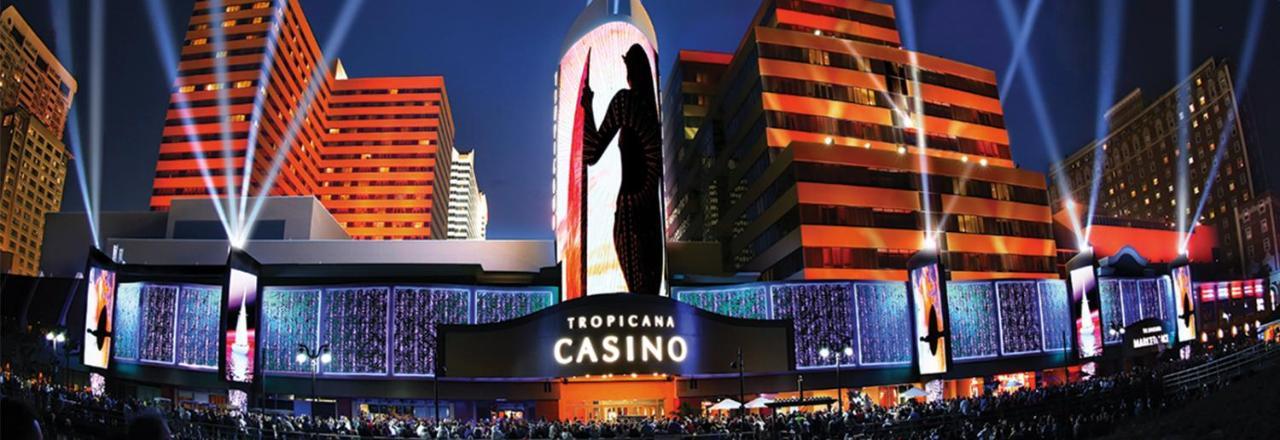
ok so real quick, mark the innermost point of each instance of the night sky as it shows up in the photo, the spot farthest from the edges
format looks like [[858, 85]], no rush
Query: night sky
[[499, 57]]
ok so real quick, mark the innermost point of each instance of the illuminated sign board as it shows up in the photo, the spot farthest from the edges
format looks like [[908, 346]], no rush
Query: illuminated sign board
[[1184, 302], [608, 157], [240, 319], [616, 334], [929, 310], [1086, 305], [99, 304], [1146, 335]]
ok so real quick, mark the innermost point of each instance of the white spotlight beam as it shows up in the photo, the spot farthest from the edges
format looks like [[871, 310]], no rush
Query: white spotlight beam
[[259, 102], [158, 12], [907, 17], [332, 46], [1020, 46], [224, 117], [1183, 96], [1047, 133], [1111, 14], [97, 33], [1247, 52], [62, 36]]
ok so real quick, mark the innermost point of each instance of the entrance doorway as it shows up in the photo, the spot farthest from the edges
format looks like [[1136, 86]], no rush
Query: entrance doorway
[[613, 400], [626, 408]]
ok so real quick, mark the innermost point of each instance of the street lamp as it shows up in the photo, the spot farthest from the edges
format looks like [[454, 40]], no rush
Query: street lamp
[[1116, 329], [56, 337], [315, 357], [847, 354]]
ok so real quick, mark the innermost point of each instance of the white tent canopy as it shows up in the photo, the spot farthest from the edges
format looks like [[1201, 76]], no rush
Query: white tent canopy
[[759, 402], [725, 405], [913, 393]]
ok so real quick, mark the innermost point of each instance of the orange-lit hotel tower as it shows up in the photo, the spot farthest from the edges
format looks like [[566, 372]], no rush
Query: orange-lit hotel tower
[[819, 176], [367, 148]]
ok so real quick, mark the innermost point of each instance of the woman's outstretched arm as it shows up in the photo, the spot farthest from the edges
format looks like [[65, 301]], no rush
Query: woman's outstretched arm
[[595, 141]]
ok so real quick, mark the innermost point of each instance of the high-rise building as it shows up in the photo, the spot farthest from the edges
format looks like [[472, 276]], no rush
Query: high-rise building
[[31, 76], [35, 96], [386, 152], [366, 147], [1141, 154], [822, 171], [244, 57], [1259, 238], [468, 206], [691, 208]]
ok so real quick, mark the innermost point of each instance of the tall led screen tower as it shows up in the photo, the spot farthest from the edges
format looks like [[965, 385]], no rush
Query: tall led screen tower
[[100, 302], [929, 307], [608, 154], [1184, 299], [1086, 304]]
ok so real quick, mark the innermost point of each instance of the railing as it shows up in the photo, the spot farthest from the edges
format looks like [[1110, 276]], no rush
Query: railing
[[1227, 367]]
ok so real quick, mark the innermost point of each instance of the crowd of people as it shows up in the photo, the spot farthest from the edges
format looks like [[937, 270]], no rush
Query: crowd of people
[[1082, 409]]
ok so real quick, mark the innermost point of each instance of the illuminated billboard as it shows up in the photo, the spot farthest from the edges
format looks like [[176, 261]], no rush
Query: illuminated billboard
[[608, 155], [99, 305], [240, 320], [929, 309], [1184, 303], [1086, 305]]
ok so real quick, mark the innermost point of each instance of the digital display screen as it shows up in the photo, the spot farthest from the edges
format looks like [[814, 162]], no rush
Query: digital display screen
[[608, 165], [1184, 303], [240, 324], [99, 305], [930, 323], [1087, 311]]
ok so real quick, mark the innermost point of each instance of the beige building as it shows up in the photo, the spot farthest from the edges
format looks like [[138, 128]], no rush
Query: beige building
[[35, 96]]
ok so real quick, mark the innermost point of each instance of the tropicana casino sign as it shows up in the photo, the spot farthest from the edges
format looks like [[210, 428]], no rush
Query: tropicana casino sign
[[615, 334], [614, 348]]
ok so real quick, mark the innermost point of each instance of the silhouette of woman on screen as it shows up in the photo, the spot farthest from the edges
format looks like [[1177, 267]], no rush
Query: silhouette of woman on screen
[[637, 224]]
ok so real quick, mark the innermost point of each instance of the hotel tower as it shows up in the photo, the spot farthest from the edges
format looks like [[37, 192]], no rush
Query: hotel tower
[[815, 137]]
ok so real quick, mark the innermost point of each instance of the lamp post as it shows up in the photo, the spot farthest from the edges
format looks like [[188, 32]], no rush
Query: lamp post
[[840, 357], [315, 358], [56, 337], [742, 393]]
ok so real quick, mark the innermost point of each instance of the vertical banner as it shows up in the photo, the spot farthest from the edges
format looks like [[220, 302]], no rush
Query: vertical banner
[[99, 305], [928, 304], [1086, 305], [1184, 300], [240, 319], [608, 155]]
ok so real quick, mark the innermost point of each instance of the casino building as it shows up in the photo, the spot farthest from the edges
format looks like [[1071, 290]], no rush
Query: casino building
[[305, 319]]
